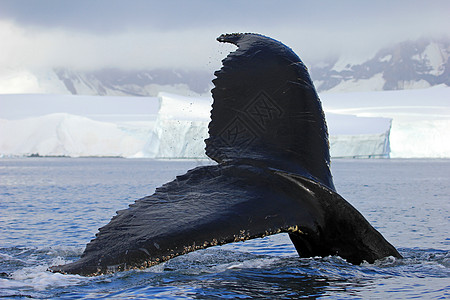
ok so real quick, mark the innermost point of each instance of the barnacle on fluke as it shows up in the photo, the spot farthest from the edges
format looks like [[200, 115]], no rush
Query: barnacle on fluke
[[269, 137]]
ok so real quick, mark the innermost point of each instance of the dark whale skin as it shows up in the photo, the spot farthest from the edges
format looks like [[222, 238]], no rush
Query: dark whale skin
[[269, 137]]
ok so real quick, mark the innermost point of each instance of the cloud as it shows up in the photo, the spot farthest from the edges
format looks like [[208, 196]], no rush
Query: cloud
[[127, 49], [181, 34]]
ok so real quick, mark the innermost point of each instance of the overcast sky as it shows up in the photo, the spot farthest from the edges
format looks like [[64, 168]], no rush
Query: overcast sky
[[90, 34]]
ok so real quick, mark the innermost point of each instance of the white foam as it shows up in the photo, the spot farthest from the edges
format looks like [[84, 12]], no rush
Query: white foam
[[38, 278]]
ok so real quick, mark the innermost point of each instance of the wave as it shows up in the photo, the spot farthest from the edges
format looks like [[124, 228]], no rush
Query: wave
[[241, 267]]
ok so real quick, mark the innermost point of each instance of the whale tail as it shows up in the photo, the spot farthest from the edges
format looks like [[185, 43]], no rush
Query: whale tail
[[269, 137], [266, 109]]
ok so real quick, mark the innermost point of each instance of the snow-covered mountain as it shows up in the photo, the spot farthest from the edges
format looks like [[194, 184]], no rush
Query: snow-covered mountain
[[407, 65], [116, 82]]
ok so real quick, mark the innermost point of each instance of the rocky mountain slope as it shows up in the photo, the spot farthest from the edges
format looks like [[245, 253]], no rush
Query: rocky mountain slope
[[406, 65], [410, 64], [135, 83]]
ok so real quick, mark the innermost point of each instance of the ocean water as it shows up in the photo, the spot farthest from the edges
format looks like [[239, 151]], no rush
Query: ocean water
[[51, 207]]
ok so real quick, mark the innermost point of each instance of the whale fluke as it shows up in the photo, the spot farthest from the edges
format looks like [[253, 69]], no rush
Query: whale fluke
[[269, 137], [266, 109]]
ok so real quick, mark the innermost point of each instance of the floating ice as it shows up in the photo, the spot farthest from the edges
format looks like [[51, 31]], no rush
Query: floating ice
[[68, 135], [408, 123]]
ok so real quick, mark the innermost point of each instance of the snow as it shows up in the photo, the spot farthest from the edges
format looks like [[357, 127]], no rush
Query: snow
[[413, 84], [24, 81], [436, 58], [409, 123], [75, 125], [424, 103], [375, 83], [180, 128], [347, 124], [346, 61], [175, 107], [360, 146], [177, 139], [67, 135], [420, 118], [106, 108], [35, 81], [386, 58]]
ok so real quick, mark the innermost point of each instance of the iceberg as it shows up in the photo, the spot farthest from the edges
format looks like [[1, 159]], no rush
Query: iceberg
[[177, 139], [402, 124], [420, 118], [182, 126], [68, 125], [62, 134], [100, 108], [358, 137], [360, 146]]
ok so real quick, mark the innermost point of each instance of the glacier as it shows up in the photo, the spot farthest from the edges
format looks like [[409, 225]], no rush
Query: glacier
[[401, 124], [62, 134], [420, 118], [180, 128]]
